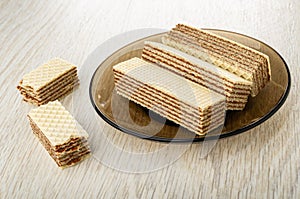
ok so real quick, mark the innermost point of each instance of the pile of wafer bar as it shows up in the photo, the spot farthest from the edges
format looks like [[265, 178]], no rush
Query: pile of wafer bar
[[192, 77], [57, 130]]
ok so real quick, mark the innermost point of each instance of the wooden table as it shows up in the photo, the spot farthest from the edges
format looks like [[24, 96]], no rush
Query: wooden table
[[263, 162]]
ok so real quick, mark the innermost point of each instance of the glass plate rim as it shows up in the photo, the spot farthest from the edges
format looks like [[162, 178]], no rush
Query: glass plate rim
[[201, 139]]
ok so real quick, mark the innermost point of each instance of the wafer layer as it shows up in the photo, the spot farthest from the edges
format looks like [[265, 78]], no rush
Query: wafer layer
[[235, 88], [170, 95], [61, 135], [247, 63]]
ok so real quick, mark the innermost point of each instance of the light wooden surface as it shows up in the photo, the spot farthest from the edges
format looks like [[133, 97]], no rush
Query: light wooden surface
[[261, 163]]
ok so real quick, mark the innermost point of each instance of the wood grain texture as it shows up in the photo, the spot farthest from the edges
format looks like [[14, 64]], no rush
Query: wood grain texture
[[261, 163]]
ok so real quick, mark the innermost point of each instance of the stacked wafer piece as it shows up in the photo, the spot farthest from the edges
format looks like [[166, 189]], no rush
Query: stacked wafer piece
[[246, 62], [49, 82], [235, 88], [61, 135], [172, 96]]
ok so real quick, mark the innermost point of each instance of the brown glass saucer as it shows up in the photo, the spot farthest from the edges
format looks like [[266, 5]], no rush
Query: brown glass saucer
[[133, 119]]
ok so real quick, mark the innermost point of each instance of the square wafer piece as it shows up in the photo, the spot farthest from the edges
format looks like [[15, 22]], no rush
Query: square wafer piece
[[48, 82], [60, 134]]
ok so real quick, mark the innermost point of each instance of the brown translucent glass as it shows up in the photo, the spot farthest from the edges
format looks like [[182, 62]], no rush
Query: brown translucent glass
[[257, 110]]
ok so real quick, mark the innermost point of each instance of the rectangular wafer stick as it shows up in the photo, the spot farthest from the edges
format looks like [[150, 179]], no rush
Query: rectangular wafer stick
[[237, 58], [170, 95]]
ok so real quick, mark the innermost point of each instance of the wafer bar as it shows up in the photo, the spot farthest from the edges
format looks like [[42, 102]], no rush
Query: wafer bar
[[182, 116], [237, 58], [60, 134], [136, 87], [235, 88], [174, 97], [48, 82]]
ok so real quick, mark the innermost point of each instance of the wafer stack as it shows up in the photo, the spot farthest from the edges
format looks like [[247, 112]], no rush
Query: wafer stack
[[61, 135], [49, 82], [246, 62], [235, 88], [172, 96]]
